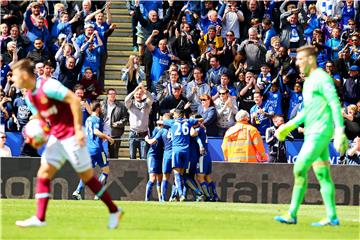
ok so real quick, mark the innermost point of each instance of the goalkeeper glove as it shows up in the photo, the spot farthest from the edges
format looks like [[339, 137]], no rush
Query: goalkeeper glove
[[283, 131], [340, 140]]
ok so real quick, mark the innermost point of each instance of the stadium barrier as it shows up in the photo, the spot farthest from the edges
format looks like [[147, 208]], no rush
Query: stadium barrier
[[15, 139], [236, 182]]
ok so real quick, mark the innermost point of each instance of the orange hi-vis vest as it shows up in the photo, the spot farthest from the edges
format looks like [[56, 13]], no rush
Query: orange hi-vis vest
[[243, 143]]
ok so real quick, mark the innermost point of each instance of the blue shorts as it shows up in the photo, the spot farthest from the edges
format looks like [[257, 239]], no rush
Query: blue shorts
[[194, 160], [204, 165], [180, 158], [166, 167], [154, 165], [99, 159]]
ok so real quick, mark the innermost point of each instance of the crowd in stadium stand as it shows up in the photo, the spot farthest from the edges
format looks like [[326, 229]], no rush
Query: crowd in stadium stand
[[211, 58]]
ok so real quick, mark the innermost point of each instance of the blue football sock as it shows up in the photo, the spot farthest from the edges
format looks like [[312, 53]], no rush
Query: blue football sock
[[190, 182], [80, 186], [164, 187], [174, 192], [149, 187], [158, 189], [205, 189], [103, 178], [179, 183], [213, 192]]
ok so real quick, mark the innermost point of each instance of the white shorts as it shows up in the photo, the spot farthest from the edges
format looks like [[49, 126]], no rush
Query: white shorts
[[58, 151]]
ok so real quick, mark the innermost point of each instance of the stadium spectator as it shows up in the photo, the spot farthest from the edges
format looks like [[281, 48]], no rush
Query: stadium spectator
[[242, 142], [5, 151], [21, 41], [37, 29], [39, 69], [224, 83], [92, 55], [268, 32], [229, 50], [105, 29], [207, 111], [149, 25], [91, 87], [185, 74], [69, 71], [254, 51], [64, 26], [292, 31], [160, 60], [226, 110], [185, 46], [138, 103], [166, 89], [115, 118], [84, 102], [132, 74], [5, 108], [175, 100], [21, 113], [344, 62], [10, 13], [246, 94], [39, 53], [295, 98], [355, 47], [334, 44], [65, 50], [351, 122], [353, 153], [261, 113], [351, 86], [213, 75], [134, 22], [232, 19], [196, 88], [277, 149], [212, 37]]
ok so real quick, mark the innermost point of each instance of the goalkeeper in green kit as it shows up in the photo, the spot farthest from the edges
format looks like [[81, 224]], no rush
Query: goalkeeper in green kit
[[320, 113]]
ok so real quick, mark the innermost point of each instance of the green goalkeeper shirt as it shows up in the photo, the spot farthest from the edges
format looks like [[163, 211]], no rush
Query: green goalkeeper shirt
[[322, 108]]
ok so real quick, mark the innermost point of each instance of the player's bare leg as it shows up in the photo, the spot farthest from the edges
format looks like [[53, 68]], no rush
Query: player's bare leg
[[45, 173], [100, 191], [103, 177]]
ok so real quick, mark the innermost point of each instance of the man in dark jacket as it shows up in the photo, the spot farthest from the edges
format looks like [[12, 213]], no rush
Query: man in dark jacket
[[115, 117], [39, 53], [69, 71]]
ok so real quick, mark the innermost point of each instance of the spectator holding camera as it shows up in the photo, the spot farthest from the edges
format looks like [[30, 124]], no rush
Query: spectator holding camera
[[254, 51], [232, 19], [246, 94]]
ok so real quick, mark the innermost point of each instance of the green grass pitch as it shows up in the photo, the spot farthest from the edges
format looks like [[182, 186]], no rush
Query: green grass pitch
[[189, 220]]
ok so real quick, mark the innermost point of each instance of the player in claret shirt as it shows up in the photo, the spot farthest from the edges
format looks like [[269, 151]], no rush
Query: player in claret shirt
[[50, 101]]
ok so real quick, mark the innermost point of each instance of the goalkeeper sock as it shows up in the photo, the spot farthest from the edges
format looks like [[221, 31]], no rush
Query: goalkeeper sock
[[164, 187], [101, 192], [103, 178], [42, 195], [80, 186], [298, 193], [148, 190], [327, 190]]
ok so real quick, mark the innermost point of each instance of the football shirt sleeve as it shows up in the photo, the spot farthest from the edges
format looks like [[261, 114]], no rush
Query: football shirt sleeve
[[55, 90]]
